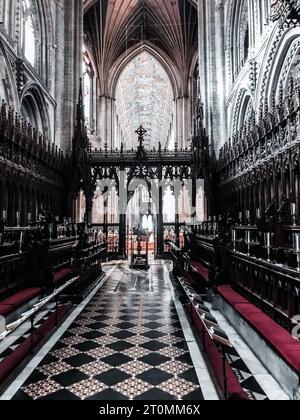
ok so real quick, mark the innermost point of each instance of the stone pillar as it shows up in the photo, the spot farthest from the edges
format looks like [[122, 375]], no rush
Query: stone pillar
[[221, 74], [183, 120], [160, 224], [212, 68], [106, 111], [177, 221], [69, 67], [122, 236]]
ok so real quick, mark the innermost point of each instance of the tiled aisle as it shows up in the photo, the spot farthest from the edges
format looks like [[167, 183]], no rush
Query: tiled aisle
[[126, 344]]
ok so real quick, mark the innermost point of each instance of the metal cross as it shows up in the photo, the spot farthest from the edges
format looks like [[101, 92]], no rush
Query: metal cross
[[141, 133]]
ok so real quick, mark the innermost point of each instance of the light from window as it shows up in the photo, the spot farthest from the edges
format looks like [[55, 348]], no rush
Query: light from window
[[28, 32]]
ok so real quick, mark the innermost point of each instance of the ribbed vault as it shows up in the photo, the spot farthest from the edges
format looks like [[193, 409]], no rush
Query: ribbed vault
[[114, 27], [144, 96]]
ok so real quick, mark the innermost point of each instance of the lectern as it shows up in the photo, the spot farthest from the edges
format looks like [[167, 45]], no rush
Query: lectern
[[220, 338], [140, 249]]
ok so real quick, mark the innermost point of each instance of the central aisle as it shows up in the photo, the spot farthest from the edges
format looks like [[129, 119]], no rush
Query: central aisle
[[127, 343]]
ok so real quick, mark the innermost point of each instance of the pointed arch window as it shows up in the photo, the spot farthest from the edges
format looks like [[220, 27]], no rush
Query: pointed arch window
[[88, 88], [28, 32]]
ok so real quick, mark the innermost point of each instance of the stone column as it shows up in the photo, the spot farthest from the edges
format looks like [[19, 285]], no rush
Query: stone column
[[212, 68], [122, 236], [183, 120], [69, 67], [160, 225], [106, 111]]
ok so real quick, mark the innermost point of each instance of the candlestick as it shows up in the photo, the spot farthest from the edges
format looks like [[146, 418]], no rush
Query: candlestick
[[234, 239], [18, 218], [268, 239], [268, 245], [241, 217], [248, 217], [258, 213], [294, 215], [297, 242], [248, 240], [248, 236]]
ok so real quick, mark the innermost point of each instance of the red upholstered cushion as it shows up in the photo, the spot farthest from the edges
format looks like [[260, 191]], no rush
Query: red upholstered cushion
[[275, 335], [62, 275], [246, 309], [232, 297], [10, 363], [293, 358], [22, 297], [5, 309], [200, 269]]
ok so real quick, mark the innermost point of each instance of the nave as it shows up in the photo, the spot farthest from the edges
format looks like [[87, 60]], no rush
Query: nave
[[126, 343]]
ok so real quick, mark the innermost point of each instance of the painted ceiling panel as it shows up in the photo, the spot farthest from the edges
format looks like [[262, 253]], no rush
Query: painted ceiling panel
[[145, 97]]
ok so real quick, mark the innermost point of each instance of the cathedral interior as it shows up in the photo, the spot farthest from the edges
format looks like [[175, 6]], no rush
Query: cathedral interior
[[150, 200]]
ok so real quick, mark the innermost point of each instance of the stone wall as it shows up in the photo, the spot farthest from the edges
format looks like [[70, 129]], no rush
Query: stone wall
[[245, 48], [49, 85]]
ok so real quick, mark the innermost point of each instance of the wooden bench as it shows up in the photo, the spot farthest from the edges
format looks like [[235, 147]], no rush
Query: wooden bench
[[196, 308]]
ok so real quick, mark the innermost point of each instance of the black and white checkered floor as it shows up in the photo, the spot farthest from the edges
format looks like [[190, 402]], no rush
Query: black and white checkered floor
[[127, 344]]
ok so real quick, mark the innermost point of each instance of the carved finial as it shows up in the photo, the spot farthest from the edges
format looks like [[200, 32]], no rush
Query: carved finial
[[141, 132], [80, 118]]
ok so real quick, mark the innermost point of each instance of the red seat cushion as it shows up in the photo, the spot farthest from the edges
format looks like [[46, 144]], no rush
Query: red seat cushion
[[276, 336], [22, 297], [200, 269], [246, 309], [62, 275], [232, 297], [5, 309]]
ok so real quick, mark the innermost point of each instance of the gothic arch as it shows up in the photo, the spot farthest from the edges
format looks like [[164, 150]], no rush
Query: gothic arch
[[126, 58], [238, 40], [32, 101], [282, 62], [41, 15], [144, 95], [8, 90], [242, 109], [47, 38], [280, 44]]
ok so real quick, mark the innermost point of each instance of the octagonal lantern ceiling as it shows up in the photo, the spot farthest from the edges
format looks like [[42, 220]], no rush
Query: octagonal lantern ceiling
[[144, 96]]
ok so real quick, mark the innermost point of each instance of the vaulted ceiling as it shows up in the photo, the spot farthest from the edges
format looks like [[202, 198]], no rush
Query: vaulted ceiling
[[144, 96], [113, 27]]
